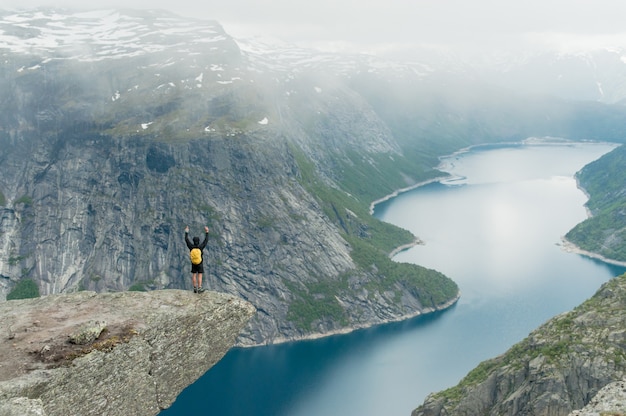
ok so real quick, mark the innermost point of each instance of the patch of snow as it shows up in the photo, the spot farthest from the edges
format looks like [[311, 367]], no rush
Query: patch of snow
[[146, 125], [233, 79], [116, 96], [264, 121]]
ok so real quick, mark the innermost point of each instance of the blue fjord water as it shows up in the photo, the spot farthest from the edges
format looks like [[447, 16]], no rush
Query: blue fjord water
[[496, 229]]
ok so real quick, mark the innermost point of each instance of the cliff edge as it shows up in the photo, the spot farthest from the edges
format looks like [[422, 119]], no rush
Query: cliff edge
[[113, 353]]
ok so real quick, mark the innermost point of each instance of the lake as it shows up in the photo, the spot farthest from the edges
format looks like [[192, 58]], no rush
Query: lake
[[495, 228]]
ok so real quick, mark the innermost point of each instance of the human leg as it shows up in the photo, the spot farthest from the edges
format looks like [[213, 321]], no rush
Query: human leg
[[200, 270], [194, 280]]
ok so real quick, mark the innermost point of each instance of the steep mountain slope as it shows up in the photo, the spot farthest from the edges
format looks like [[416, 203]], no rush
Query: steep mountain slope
[[558, 368], [604, 233], [119, 129]]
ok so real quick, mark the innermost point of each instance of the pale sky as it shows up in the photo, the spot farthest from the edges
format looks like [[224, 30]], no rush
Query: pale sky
[[373, 25]]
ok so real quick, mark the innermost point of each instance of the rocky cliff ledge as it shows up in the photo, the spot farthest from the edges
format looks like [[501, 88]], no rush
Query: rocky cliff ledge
[[126, 353], [558, 368], [610, 401]]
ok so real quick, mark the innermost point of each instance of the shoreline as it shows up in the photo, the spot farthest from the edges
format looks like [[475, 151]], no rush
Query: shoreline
[[403, 247], [403, 190], [565, 244], [570, 247], [530, 141], [347, 330]]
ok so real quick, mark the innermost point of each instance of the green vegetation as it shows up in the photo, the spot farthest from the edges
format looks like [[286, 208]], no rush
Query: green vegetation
[[375, 175], [431, 287], [137, 287], [317, 302], [371, 240], [24, 199], [265, 222], [3, 200], [24, 289], [14, 260], [605, 182], [351, 214], [580, 331]]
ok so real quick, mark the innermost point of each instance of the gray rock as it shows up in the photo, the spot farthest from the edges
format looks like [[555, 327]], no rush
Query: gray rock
[[85, 335], [557, 369], [610, 401], [156, 344], [22, 406]]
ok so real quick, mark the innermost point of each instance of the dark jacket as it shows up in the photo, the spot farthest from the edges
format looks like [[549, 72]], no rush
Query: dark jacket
[[196, 242]]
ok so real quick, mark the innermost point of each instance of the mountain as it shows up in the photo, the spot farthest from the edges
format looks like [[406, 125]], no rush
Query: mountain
[[558, 368], [118, 128], [604, 232]]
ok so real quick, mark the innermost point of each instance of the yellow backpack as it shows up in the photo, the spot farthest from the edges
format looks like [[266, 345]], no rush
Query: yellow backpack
[[196, 255]]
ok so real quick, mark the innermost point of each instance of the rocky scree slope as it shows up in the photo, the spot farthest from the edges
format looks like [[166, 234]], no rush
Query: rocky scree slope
[[115, 353], [558, 368], [118, 129]]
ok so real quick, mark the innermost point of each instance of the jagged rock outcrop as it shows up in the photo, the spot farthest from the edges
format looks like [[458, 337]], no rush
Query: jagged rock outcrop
[[610, 401], [558, 368], [154, 345]]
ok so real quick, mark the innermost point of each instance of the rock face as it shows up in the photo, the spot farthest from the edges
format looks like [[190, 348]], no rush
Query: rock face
[[559, 368], [108, 152], [610, 401], [154, 345]]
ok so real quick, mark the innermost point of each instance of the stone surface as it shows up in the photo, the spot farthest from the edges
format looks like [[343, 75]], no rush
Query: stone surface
[[155, 344], [610, 401], [86, 334], [560, 367]]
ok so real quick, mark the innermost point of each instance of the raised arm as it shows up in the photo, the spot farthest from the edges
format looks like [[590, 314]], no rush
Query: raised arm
[[206, 238], [189, 244]]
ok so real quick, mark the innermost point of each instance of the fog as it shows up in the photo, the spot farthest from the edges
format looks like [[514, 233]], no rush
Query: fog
[[391, 27]]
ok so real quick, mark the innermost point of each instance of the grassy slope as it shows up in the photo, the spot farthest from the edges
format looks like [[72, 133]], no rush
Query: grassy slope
[[605, 182]]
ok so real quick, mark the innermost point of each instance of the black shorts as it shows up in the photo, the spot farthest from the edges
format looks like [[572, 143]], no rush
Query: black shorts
[[197, 268]]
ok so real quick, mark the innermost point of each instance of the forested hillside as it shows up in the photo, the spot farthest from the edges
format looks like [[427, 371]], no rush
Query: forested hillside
[[604, 232]]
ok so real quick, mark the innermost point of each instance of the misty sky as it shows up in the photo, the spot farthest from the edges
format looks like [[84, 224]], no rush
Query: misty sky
[[377, 25]]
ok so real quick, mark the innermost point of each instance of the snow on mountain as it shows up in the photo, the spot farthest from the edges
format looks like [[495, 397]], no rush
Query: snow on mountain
[[35, 37], [281, 56], [102, 34], [115, 34]]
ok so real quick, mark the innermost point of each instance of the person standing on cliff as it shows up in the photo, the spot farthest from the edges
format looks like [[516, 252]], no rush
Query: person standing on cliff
[[197, 263]]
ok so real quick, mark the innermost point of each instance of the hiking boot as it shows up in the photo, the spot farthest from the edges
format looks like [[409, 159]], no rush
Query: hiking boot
[[200, 290], [195, 290]]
